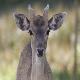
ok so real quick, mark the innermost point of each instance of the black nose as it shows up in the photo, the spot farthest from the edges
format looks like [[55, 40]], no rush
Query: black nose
[[40, 52]]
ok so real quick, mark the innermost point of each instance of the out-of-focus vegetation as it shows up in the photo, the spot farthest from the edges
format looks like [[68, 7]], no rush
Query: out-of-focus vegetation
[[60, 50]]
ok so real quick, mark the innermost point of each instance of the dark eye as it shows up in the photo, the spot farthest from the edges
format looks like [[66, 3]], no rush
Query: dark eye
[[47, 32], [30, 32]]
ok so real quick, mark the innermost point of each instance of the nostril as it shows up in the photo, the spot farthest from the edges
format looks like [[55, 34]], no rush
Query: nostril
[[40, 52]]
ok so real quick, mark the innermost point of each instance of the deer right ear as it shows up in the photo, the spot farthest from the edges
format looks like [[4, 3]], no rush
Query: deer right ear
[[56, 21], [22, 21]]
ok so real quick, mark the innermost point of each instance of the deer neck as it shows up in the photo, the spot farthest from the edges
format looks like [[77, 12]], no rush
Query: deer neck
[[37, 65]]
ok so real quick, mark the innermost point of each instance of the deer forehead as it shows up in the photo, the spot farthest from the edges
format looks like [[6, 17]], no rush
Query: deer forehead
[[39, 24], [39, 21]]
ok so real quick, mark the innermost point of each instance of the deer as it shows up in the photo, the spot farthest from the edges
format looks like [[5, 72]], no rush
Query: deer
[[33, 64]]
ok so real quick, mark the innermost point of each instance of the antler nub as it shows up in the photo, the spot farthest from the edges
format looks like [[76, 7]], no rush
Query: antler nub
[[29, 7], [45, 14], [31, 11], [47, 7]]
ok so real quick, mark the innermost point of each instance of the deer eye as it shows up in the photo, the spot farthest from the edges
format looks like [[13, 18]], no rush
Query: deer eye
[[30, 32], [47, 32]]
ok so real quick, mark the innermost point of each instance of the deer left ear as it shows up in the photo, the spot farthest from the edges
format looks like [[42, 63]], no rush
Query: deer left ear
[[22, 21], [56, 21]]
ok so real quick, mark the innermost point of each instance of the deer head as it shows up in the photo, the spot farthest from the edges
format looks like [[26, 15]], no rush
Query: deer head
[[39, 27]]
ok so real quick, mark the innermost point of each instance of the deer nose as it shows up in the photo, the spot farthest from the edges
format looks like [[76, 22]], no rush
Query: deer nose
[[40, 52]]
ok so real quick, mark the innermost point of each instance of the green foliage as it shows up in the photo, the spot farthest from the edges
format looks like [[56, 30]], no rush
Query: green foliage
[[10, 4]]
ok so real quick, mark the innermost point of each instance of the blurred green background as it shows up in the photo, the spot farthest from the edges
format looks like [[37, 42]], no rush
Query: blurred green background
[[63, 50]]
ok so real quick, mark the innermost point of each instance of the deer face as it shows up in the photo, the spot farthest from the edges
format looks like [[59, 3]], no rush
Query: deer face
[[39, 28], [39, 32]]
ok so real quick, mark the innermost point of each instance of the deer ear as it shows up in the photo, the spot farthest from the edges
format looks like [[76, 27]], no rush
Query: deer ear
[[56, 21], [22, 21]]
